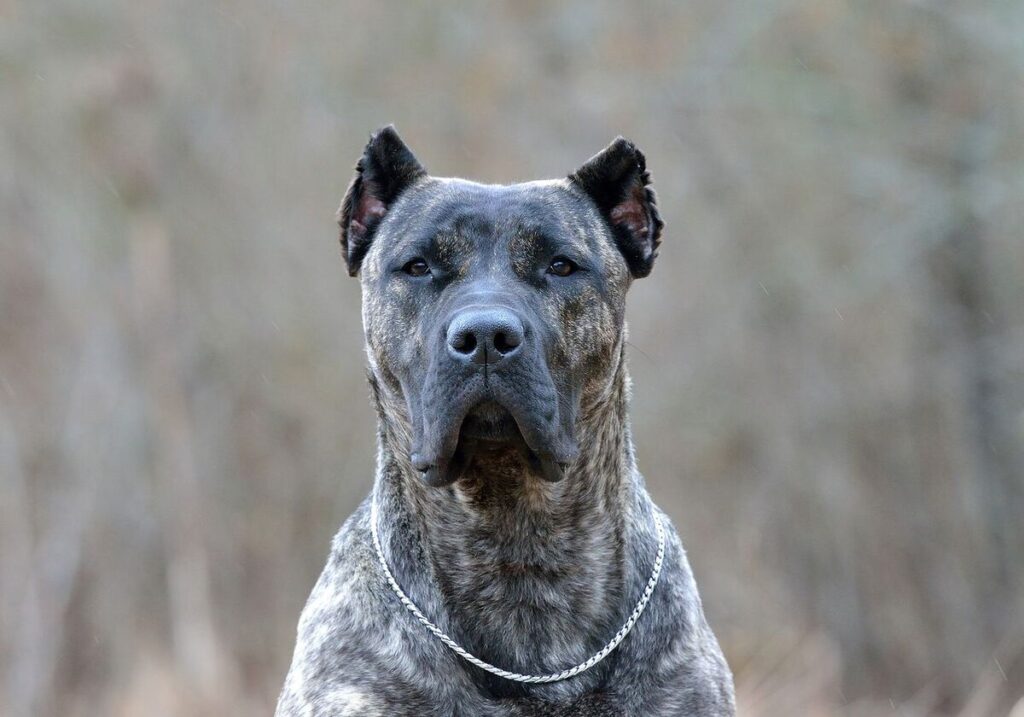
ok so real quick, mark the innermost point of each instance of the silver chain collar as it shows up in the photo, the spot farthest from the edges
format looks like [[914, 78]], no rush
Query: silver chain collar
[[515, 676]]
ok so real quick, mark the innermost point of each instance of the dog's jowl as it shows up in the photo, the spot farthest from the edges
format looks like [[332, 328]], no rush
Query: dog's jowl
[[509, 560]]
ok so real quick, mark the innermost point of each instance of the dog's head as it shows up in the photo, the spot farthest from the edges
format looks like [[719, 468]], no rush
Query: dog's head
[[495, 312]]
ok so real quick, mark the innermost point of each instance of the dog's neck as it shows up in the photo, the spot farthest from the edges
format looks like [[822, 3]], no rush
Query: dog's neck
[[515, 565]]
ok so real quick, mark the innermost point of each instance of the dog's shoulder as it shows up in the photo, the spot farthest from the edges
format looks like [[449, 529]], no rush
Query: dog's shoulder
[[673, 649], [338, 625], [350, 601]]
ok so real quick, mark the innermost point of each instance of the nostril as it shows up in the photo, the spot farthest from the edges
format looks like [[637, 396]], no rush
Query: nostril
[[484, 336], [505, 343], [464, 342]]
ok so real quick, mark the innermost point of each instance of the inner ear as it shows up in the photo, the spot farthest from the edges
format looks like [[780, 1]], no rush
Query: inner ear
[[368, 210], [631, 214], [386, 169], [617, 181]]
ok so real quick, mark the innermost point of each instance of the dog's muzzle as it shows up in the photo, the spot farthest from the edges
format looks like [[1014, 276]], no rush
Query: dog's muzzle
[[490, 363]]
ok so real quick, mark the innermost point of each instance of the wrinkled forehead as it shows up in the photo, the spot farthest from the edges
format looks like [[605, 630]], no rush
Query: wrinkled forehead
[[456, 216]]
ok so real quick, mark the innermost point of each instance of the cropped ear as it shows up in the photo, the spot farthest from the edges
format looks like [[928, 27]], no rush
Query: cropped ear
[[385, 170], [617, 181]]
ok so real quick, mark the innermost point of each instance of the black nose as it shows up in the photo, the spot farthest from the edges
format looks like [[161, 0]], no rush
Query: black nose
[[485, 336]]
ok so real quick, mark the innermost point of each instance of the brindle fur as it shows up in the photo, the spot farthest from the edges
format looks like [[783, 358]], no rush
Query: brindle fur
[[531, 575]]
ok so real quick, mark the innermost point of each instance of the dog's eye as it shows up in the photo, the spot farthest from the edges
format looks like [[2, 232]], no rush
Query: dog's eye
[[416, 267], [560, 266]]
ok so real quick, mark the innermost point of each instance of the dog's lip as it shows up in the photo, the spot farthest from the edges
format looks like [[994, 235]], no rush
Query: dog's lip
[[486, 426], [485, 422]]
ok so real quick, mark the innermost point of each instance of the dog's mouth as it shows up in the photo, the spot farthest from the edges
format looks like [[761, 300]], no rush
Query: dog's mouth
[[490, 422], [490, 427]]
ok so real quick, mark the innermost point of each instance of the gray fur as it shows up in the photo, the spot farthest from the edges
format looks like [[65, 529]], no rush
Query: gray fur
[[530, 575]]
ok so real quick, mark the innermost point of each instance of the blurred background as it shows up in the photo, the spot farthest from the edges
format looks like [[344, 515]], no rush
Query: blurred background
[[828, 358]]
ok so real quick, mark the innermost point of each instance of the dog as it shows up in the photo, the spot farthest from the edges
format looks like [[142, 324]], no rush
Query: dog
[[507, 515]]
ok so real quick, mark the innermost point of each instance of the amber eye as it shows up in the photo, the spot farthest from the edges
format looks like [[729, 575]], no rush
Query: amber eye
[[416, 267], [560, 266]]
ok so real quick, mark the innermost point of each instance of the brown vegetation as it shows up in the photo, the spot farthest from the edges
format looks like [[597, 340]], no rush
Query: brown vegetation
[[828, 357]]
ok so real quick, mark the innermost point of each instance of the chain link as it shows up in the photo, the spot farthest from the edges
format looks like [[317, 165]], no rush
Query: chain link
[[515, 676]]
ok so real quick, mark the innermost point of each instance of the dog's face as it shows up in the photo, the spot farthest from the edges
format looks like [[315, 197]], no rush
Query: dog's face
[[495, 313]]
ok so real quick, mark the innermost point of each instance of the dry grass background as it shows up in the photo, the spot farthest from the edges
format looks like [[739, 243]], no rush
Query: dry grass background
[[828, 358]]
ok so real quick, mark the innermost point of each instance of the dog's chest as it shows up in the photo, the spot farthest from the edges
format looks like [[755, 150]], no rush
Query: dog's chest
[[596, 705], [533, 607]]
